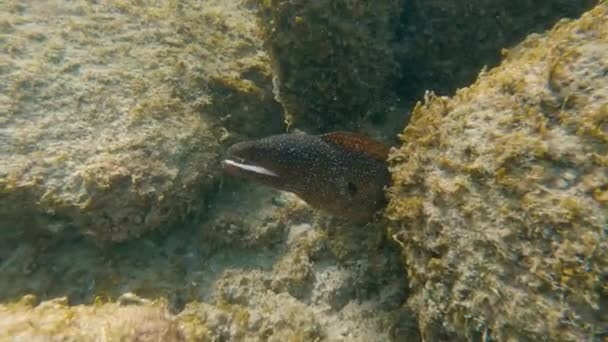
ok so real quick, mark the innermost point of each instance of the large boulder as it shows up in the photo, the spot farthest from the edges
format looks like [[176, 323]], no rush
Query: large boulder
[[500, 194], [112, 113]]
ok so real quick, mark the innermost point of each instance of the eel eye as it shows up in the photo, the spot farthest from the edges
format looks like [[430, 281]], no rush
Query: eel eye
[[352, 189]]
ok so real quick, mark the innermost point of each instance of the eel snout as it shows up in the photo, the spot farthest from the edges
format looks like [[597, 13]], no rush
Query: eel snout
[[249, 160]]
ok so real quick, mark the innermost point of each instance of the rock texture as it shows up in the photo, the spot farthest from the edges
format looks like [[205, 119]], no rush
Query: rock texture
[[55, 320], [332, 59], [112, 113], [345, 63], [444, 44], [500, 198], [132, 318], [276, 273]]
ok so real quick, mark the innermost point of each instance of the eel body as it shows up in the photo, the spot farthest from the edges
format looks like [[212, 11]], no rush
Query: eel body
[[342, 173]]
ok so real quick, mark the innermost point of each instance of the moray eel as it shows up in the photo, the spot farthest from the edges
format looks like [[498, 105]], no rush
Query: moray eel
[[342, 173]]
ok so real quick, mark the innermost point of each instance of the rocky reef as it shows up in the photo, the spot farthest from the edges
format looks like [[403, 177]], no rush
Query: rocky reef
[[112, 114], [499, 199], [283, 275], [133, 319], [343, 64]]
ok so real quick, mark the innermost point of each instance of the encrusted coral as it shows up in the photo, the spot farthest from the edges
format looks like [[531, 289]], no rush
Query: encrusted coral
[[241, 313], [499, 194]]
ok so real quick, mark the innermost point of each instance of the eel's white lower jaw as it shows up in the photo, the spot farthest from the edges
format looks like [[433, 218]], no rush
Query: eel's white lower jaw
[[250, 168]]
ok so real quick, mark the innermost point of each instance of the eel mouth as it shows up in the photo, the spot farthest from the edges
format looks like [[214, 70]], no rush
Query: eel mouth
[[241, 167]]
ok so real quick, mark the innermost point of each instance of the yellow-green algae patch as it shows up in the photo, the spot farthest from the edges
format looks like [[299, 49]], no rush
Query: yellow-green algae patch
[[498, 196], [112, 112]]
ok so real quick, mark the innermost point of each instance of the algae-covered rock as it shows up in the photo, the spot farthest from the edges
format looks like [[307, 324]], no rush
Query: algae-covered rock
[[251, 216], [342, 63], [110, 111], [55, 320], [282, 318], [133, 318], [247, 311], [280, 272], [499, 196], [332, 59]]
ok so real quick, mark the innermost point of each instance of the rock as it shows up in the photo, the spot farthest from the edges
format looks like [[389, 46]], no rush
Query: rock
[[284, 319], [342, 64], [331, 58], [285, 273], [498, 196], [55, 320], [444, 44], [112, 113], [246, 215]]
